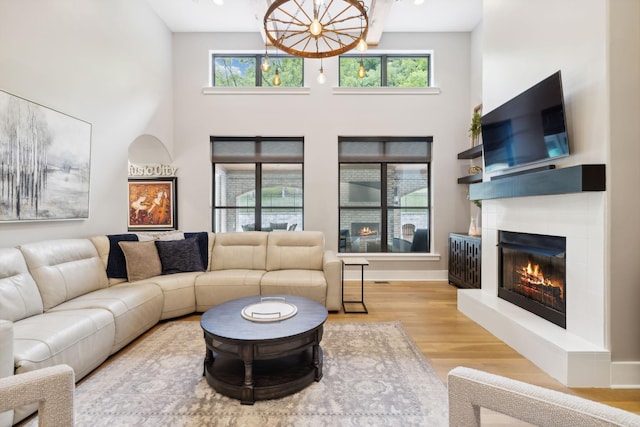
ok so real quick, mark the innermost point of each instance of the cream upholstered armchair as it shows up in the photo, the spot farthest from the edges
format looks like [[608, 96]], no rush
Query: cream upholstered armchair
[[50, 388], [470, 390]]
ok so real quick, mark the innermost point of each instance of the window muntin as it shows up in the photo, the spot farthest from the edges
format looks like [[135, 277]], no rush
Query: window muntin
[[384, 204], [245, 71], [259, 187], [386, 71]]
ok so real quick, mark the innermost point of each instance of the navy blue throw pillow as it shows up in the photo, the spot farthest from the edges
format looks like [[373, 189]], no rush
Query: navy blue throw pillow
[[179, 256], [116, 263]]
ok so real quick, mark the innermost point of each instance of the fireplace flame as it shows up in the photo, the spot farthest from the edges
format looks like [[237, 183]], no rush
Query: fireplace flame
[[366, 231], [532, 275], [535, 271]]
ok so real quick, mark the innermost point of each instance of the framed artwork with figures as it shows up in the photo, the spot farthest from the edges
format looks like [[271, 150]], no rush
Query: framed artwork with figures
[[153, 204]]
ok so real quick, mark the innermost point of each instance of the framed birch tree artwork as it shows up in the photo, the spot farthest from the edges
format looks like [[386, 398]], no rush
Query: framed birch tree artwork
[[45, 159]]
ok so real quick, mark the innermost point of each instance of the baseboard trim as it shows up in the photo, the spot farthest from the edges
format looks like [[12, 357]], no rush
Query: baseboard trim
[[625, 375], [353, 273]]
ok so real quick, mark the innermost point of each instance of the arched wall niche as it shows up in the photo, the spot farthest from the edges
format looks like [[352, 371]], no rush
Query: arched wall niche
[[147, 150]]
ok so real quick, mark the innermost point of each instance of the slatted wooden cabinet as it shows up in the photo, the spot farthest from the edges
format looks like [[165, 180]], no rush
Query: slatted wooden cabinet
[[465, 260]]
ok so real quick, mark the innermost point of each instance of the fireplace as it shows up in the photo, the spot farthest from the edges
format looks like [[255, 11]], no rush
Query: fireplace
[[365, 229], [532, 273]]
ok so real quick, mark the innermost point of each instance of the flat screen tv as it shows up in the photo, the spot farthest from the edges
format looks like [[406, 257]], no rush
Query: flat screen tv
[[527, 129]]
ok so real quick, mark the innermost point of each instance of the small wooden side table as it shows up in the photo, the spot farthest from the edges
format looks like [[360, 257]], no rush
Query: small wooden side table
[[362, 262]]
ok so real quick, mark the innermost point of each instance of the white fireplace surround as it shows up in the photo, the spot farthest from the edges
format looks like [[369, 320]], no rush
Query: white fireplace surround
[[577, 356]]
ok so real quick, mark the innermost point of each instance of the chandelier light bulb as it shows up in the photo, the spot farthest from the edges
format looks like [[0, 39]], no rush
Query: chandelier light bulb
[[362, 45], [321, 78], [265, 64], [316, 27], [277, 81], [362, 73]]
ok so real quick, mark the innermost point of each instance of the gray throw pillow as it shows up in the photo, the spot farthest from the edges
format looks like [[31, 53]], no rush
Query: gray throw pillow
[[179, 256], [142, 260]]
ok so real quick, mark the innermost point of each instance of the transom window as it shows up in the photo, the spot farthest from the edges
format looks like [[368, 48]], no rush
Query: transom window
[[257, 183], [386, 70], [245, 70], [384, 194]]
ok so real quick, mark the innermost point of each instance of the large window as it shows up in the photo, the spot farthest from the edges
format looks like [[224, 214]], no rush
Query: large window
[[245, 71], [384, 194], [386, 70], [257, 183]]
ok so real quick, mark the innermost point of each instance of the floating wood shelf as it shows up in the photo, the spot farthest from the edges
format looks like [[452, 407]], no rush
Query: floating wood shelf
[[470, 179], [471, 153], [573, 179]]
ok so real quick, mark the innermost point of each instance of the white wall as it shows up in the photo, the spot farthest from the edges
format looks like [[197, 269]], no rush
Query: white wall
[[321, 116], [595, 43], [105, 62]]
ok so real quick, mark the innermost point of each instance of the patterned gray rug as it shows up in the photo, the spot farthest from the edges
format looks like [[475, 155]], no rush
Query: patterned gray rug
[[374, 375]]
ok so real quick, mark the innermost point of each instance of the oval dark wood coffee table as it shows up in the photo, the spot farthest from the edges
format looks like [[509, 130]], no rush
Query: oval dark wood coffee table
[[252, 360]]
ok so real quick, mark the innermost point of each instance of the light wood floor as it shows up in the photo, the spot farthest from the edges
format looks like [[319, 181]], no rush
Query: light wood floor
[[428, 311]]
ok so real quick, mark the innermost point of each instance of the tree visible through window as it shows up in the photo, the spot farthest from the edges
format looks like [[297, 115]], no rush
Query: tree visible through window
[[245, 71], [385, 70]]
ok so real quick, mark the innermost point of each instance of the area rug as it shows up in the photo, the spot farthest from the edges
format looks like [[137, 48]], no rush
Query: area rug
[[374, 375]]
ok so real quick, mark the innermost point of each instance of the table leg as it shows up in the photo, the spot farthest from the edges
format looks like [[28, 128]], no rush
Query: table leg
[[208, 359], [247, 386]]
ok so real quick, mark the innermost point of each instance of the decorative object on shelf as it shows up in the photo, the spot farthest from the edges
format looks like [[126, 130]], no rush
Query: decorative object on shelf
[[153, 204], [317, 29], [45, 162], [475, 129], [475, 170], [474, 230]]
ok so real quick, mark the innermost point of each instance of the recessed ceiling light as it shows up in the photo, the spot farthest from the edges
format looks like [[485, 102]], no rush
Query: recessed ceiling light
[[221, 2], [418, 2]]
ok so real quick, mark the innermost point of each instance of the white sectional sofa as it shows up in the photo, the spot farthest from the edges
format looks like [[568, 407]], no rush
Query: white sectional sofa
[[78, 301]]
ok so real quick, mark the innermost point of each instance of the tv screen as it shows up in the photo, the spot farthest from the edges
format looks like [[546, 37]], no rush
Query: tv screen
[[527, 129]]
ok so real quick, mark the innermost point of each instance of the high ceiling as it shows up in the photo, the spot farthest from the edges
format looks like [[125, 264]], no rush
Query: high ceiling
[[385, 15]]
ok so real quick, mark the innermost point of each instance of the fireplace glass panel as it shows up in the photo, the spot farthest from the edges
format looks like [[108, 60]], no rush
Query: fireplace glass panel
[[532, 274]]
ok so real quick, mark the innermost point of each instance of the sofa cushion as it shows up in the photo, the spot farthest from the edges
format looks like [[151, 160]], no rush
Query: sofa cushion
[[179, 256], [64, 269], [179, 296], [246, 250], [216, 287], [301, 250], [305, 283], [134, 307], [79, 338], [19, 295], [142, 259]]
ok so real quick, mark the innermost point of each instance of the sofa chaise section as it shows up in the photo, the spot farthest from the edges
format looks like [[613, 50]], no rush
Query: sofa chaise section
[[71, 276], [39, 339]]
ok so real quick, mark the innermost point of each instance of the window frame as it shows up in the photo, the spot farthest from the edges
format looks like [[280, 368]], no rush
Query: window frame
[[384, 207], [258, 57], [384, 59], [258, 160]]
